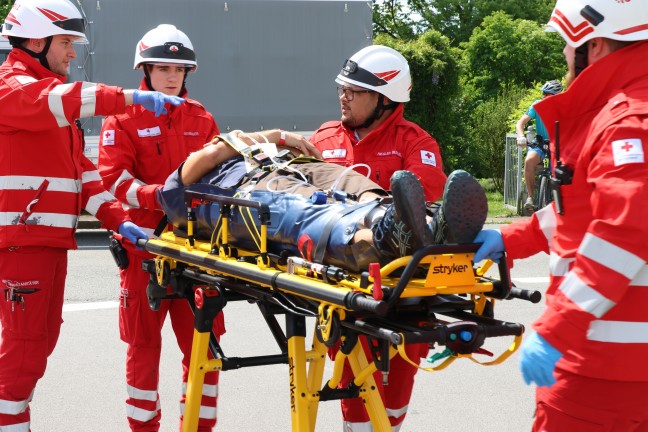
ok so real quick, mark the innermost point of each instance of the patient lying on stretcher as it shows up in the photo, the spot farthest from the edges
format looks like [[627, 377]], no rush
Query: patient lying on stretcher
[[360, 223]]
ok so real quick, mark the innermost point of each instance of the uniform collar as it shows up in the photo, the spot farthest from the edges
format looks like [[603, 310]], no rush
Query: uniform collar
[[19, 59], [593, 88]]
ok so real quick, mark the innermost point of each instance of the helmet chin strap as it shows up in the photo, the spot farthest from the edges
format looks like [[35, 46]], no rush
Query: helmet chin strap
[[381, 107], [580, 59], [41, 56]]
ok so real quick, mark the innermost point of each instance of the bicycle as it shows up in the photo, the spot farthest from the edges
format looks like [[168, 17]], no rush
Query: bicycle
[[543, 195]]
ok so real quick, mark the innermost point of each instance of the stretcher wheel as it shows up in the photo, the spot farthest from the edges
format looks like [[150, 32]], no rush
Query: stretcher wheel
[[154, 294], [334, 336]]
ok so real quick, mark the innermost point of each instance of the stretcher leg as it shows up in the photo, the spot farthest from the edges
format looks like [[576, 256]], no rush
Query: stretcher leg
[[317, 359], [369, 390], [300, 394], [208, 304]]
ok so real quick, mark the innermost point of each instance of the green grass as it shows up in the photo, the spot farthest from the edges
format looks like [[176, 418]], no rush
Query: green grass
[[496, 208]]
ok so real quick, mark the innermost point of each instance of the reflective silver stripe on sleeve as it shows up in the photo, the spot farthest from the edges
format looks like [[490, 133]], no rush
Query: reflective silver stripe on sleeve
[[88, 99], [641, 278], [13, 407], [618, 331], [584, 296], [57, 220], [25, 79], [547, 220], [95, 201], [20, 427], [610, 255], [131, 195], [559, 266], [123, 177], [90, 176], [55, 102], [56, 184]]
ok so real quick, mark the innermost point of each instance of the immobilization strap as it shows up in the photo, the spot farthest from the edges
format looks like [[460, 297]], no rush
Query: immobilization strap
[[320, 249], [506, 354]]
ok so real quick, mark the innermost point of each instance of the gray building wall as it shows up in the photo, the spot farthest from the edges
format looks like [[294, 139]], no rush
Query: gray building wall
[[262, 64]]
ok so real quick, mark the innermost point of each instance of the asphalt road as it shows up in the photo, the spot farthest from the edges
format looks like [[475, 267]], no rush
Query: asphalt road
[[84, 386]]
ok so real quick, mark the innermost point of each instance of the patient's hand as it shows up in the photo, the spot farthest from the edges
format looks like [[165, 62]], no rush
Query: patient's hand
[[298, 145]]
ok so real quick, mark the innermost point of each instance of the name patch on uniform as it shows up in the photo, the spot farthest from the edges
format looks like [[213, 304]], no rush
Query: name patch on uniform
[[149, 132], [191, 133], [428, 158], [627, 151], [335, 153], [108, 137]]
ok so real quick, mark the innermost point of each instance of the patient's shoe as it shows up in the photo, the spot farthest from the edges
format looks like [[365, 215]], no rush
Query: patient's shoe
[[463, 211], [403, 228]]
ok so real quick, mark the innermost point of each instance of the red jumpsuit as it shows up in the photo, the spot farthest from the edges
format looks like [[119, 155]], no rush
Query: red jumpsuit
[[45, 182], [397, 144], [597, 297], [137, 152]]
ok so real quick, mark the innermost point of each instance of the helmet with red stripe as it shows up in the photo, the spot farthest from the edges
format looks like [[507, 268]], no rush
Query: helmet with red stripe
[[381, 69], [578, 21], [30, 19]]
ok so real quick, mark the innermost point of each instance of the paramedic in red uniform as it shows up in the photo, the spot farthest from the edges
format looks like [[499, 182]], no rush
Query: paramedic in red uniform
[[137, 152], [45, 182], [373, 86], [588, 351]]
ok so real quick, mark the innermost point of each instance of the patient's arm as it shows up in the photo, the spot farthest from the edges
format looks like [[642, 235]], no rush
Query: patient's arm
[[199, 163]]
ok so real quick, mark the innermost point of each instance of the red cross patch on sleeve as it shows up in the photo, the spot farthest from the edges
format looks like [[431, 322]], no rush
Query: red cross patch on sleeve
[[627, 151], [428, 158], [108, 137]]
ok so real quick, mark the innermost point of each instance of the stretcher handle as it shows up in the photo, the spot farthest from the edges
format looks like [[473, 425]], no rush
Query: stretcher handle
[[533, 296], [358, 301], [503, 328]]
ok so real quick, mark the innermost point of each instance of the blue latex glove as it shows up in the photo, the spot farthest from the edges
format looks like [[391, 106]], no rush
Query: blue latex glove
[[154, 101], [132, 232], [492, 247], [538, 360]]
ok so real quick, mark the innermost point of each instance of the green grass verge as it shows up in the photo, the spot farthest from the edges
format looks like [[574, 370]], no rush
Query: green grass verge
[[496, 208]]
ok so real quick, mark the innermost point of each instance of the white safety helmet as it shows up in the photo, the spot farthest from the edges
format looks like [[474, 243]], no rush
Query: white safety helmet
[[165, 44], [381, 69], [578, 21], [40, 19]]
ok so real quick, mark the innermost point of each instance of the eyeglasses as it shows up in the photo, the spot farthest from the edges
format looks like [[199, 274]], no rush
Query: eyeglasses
[[349, 93]]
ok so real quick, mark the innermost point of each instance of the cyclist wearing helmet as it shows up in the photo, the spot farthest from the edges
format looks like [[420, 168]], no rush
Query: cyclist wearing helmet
[[46, 182], [373, 85], [137, 151], [534, 155], [587, 354]]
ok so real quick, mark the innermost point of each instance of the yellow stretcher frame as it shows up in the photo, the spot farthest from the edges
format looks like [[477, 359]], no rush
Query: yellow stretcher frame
[[347, 306]]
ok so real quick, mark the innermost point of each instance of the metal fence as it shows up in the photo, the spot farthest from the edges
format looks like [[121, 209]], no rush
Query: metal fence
[[514, 190]]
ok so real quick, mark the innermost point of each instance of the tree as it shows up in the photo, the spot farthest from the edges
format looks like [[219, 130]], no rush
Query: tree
[[5, 7], [455, 19], [504, 52], [434, 65]]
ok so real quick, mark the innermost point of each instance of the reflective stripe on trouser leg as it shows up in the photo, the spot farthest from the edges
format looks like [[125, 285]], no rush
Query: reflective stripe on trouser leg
[[30, 328], [140, 327], [395, 395], [182, 319]]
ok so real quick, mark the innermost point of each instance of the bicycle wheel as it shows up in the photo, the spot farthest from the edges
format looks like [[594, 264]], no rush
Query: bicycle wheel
[[544, 193]]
